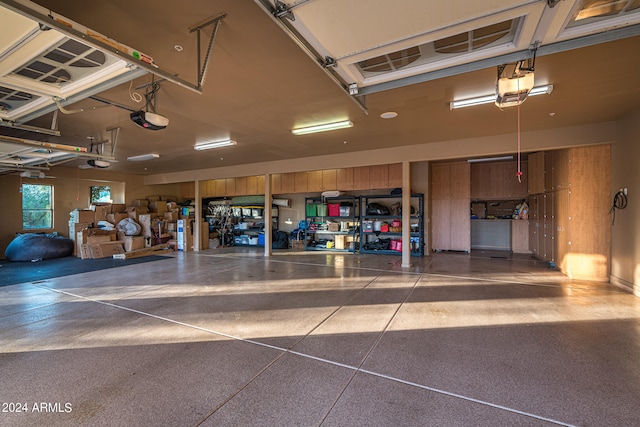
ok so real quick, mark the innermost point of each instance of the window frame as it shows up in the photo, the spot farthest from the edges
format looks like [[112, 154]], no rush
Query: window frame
[[50, 209], [91, 201]]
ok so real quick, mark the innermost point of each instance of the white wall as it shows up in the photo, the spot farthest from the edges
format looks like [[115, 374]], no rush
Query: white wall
[[625, 233]]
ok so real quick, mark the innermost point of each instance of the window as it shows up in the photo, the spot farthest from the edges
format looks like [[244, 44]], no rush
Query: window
[[37, 206], [490, 36], [100, 194]]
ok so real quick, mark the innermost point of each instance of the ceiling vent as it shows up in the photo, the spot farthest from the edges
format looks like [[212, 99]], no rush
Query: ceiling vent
[[38, 64]]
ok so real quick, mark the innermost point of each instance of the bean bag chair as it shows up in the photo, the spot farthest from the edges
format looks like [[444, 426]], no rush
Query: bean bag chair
[[36, 247]]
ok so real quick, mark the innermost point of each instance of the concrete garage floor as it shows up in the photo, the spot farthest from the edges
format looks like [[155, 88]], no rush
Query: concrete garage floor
[[227, 337]]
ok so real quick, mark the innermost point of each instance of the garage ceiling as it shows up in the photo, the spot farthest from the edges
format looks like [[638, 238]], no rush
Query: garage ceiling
[[268, 74]]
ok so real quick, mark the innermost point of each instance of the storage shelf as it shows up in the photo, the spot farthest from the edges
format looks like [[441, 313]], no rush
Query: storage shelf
[[383, 233], [354, 218], [314, 248], [386, 252], [417, 218], [343, 233], [373, 217]]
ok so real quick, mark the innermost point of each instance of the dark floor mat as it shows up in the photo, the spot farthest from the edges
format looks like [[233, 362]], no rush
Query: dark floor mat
[[22, 272]]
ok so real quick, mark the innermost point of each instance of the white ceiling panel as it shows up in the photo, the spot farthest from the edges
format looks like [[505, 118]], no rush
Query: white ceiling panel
[[346, 28]]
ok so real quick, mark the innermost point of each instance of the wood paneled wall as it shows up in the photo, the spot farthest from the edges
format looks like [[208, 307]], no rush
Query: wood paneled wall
[[345, 179], [450, 224], [498, 181], [569, 216]]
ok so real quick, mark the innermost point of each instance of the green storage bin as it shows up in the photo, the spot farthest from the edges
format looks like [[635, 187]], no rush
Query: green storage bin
[[312, 209], [322, 209]]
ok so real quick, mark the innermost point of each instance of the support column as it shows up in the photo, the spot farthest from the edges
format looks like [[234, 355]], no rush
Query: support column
[[197, 233], [268, 225], [406, 214]]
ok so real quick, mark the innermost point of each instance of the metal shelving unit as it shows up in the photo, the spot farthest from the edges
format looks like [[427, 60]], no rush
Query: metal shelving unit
[[254, 216], [327, 231], [369, 236]]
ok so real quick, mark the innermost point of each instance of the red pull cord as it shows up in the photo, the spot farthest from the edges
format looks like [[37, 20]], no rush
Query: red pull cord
[[519, 173]]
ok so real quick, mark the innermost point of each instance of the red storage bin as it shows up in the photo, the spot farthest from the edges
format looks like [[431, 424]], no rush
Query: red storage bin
[[334, 209]]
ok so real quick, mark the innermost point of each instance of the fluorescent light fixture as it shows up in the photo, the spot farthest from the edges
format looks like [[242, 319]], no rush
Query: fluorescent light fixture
[[323, 128], [490, 159], [214, 144], [488, 99], [143, 157]]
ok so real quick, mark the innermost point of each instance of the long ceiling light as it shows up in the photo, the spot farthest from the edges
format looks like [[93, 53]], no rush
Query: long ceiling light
[[490, 159], [323, 128], [143, 157], [489, 99], [214, 144]]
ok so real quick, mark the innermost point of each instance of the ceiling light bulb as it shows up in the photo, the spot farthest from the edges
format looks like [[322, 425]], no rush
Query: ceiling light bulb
[[143, 157], [488, 99], [214, 144], [322, 127]]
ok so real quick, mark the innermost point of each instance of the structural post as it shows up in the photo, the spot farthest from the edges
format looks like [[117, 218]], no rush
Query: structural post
[[406, 214], [197, 239], [268, 226]]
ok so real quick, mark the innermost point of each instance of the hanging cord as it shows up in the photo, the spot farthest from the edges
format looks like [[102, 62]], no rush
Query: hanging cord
[[135, 96], [519, 173], [619, 202]]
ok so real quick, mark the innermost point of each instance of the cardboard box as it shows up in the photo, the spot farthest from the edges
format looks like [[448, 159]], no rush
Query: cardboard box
[[134, 212], [84, 251], [185, 234], [118, 207], [339, 241], [85, 235], [158, 206], [88, 232], [115, 218], [140, 203], [74, 228], [132, 243], [171, 216], [106, 205], [297, 245], [145, 223], [82, 216], [106, 249], [92, 240]]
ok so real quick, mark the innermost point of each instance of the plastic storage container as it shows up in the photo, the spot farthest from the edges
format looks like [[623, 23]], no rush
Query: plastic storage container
[[322, 209], [312, 209]]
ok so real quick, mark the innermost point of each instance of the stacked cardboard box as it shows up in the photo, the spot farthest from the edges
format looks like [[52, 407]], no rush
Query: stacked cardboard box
[[97, 243], [185, 233], [157, 216]]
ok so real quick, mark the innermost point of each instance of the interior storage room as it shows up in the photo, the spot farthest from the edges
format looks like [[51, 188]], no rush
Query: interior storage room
[[319, 213]]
